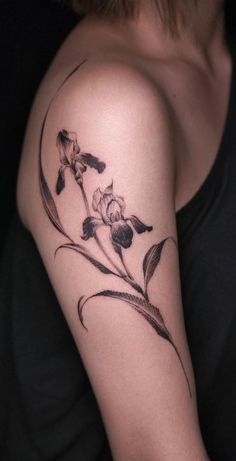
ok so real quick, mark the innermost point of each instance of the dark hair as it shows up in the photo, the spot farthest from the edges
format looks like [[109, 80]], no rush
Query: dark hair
[[172, 12]]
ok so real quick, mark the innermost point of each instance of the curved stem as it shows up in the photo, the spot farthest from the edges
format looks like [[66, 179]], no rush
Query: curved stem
[[100, 245], [125, 266], [129, 278], [85, 199]]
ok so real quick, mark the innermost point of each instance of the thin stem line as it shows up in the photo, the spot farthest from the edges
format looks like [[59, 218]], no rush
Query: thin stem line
[[100, 245], [125, 266], [85, 199]]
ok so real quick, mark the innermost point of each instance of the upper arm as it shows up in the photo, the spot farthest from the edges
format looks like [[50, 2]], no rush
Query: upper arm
[[103, 217]]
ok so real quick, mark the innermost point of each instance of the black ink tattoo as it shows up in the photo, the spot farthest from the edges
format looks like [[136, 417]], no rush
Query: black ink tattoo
[[108, 210], [72, 158]]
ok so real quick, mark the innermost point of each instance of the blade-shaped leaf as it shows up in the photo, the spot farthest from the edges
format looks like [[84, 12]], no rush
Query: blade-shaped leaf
[[145, 308], [152, 259], [47, 199], [149, 312], [82, 250]]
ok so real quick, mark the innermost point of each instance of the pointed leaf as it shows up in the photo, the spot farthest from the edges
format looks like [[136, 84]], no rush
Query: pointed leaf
[[82, 250], [80, 312], [150, 312], [49, 204], [152, 259], [47, 198]]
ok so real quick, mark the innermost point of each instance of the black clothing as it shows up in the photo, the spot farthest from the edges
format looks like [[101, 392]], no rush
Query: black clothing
[[51, 412], [207, 247]]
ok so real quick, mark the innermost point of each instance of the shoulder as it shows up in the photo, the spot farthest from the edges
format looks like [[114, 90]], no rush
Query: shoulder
[[113, 105], [114, 87], [114, 109]]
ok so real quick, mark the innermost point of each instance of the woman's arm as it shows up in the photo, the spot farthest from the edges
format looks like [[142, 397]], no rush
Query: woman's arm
[[102, 212]]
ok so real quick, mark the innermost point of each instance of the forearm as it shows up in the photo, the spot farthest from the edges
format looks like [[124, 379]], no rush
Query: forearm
[[148, 450]]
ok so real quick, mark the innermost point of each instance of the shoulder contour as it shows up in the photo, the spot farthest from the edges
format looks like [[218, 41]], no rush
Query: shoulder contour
[[113, 109], [112, 85], [111, 98]]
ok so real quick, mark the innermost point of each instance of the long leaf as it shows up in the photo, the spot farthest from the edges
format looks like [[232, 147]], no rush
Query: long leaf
[[145, 308], [47, 199], [151, 260], [82, 250], [149, 312]]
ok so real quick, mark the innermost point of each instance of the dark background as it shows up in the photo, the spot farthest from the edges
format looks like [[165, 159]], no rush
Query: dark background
[[30, 34]]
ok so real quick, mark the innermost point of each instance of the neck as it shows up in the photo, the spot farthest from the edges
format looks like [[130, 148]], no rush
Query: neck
[[202, 37], [207, 23]]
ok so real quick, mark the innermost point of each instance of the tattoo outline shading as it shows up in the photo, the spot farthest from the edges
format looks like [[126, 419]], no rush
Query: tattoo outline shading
[[108, 210]]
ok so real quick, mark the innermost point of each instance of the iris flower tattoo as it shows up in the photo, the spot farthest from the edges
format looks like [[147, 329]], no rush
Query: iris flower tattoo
[[108, 210], [111, 209], [72, 158]]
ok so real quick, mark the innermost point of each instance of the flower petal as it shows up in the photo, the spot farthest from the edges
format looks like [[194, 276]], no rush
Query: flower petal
[[107, 198], [60, 184], [97, 196], [109, 189], [121, 202], [138, 225], [114, 210], [102, 209], [93, 162], [121, 233], [69, 136], [66, 143], [90, 226], [78, 170]]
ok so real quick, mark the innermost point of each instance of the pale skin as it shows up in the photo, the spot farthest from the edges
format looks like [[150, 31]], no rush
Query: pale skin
[[138, 103]]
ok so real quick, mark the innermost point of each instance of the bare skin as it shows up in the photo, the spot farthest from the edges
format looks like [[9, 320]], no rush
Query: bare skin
[[193, 75], [138, 104]]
